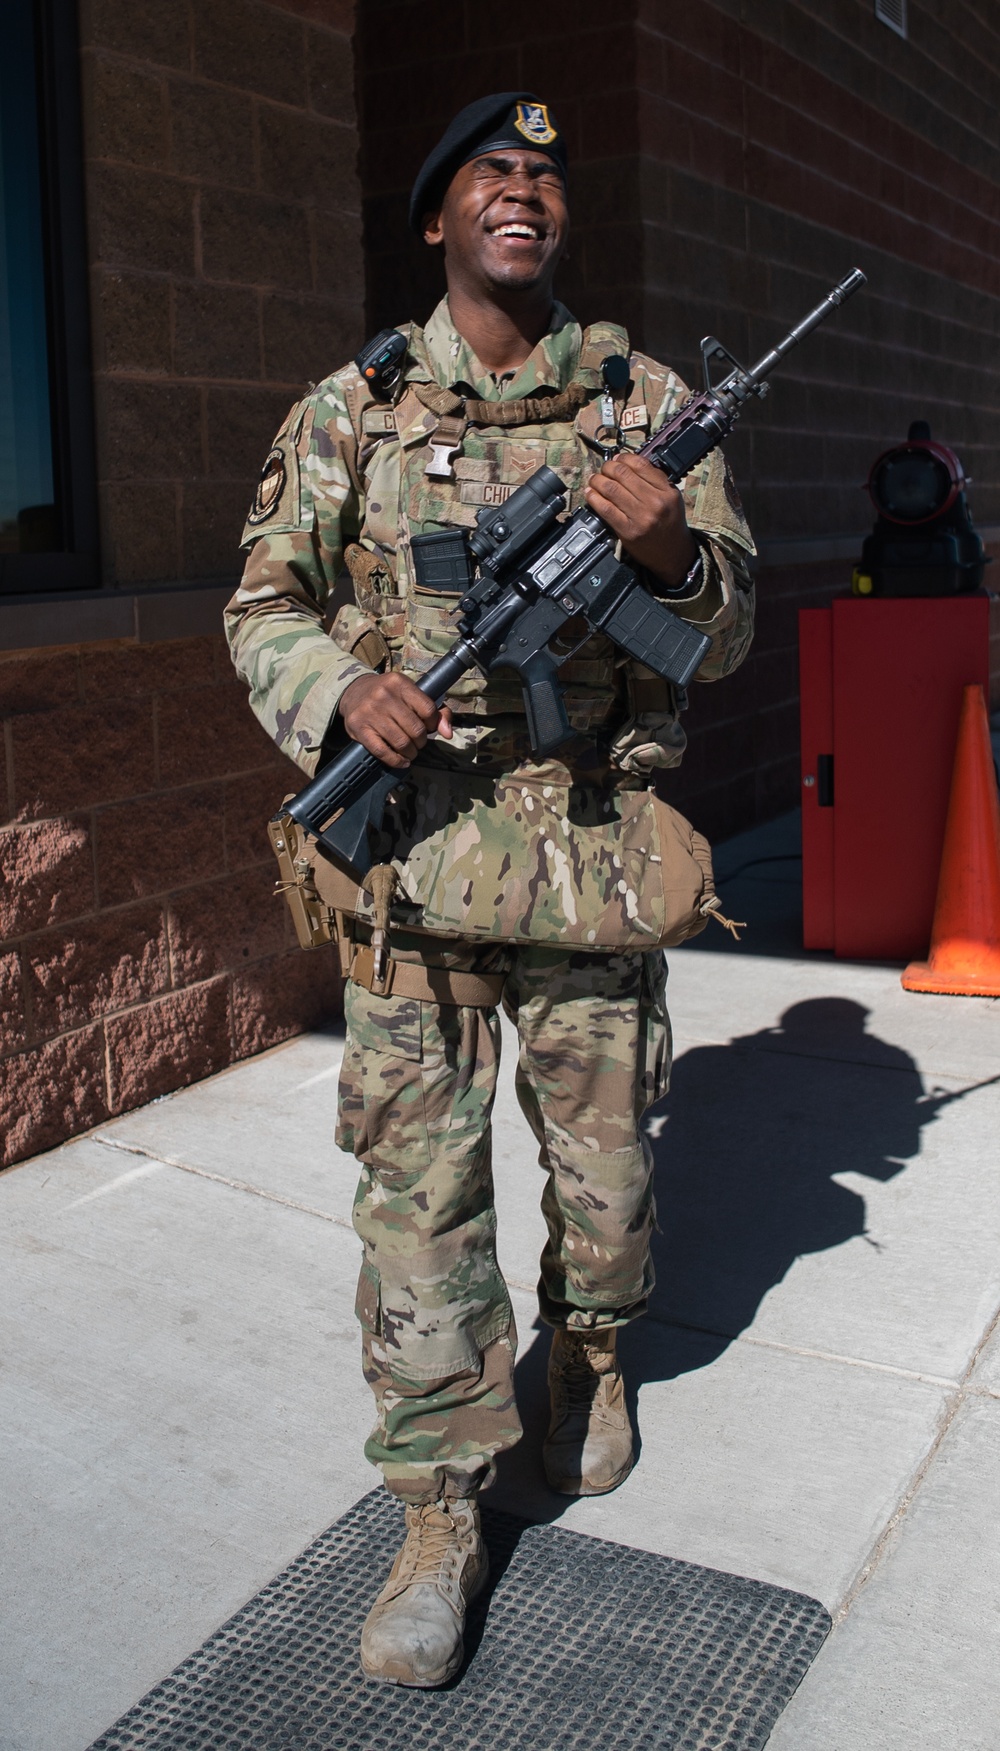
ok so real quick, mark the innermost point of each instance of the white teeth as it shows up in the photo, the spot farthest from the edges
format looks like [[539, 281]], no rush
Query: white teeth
[[515, 231]]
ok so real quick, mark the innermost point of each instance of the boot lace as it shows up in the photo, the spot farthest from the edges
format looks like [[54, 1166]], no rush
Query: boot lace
[[581, 1381], [432, 1547]]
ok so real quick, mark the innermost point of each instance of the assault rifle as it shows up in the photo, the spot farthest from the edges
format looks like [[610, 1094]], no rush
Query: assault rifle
[[522, 574]]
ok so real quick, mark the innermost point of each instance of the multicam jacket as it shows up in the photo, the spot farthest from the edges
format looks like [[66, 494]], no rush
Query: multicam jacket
[[346, 478]]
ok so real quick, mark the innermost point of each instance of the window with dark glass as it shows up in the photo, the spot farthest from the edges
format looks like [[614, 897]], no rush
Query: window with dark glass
[[47, 520], [28, 518]]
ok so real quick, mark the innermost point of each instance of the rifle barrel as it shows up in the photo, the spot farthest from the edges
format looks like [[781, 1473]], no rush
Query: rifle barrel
[[850, 284]]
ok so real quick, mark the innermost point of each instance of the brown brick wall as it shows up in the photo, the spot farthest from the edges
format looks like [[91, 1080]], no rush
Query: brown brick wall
[[781, 144], [729, 162], [774, 158], [224, 217], [141, 944]]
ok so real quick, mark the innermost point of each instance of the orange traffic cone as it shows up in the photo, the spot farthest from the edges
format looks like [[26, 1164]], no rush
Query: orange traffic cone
[[965, 941]]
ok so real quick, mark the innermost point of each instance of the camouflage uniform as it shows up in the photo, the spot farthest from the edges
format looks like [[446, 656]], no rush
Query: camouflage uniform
[[419, 1077]]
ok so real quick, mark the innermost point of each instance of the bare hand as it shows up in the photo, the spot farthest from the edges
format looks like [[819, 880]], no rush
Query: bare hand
[[647, 514], [390, 716]]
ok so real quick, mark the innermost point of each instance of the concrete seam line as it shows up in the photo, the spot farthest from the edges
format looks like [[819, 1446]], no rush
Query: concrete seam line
[[899, 1513], [815, 1355], [887, 1535], [988, 1332], [869, 1064], [854, 1362], [684, 1042], [221, 1179], [238, 1185]]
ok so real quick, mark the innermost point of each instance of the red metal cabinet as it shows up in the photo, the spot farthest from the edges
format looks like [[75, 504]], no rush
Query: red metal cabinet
[[881, 688]]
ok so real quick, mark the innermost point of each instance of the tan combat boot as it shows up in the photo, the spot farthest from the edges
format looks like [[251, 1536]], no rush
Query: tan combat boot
[[588, 1449], [413, 1632]]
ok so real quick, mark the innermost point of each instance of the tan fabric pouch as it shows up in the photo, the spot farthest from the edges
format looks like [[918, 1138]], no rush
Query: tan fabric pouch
[[512, 859], [530, 863]]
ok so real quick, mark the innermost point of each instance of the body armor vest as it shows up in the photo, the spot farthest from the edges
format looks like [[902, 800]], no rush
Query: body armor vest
[[397, 623]]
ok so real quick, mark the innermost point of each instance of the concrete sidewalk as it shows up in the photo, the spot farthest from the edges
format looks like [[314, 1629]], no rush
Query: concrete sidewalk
[[817, 1387]]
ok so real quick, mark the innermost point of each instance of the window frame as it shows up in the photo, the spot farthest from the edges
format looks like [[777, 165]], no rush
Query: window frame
[[76, 566]]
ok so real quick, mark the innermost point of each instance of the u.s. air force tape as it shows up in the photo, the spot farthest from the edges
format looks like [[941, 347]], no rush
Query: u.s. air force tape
[[271, 485]]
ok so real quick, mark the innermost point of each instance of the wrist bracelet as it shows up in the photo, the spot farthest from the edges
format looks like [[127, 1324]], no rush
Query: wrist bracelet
[[693, 581]]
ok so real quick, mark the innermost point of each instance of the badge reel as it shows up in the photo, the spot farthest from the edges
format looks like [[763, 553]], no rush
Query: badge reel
[[617, 385]]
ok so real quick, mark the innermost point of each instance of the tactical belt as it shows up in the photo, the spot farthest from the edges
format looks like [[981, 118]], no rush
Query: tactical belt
[[428, 984]]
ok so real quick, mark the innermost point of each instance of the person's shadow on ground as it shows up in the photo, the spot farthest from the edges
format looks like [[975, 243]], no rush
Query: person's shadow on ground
[[746, 1145]]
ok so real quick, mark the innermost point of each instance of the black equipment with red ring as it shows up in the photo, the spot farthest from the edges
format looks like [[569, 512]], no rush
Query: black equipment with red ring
[[924, 542]]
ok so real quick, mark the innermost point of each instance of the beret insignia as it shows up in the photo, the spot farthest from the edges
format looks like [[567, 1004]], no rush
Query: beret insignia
[[532, 120], [270, 487]]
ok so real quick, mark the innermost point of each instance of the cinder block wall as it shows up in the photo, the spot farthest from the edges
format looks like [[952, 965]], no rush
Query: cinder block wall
[[140, 944], [784, 142], [223, 212]]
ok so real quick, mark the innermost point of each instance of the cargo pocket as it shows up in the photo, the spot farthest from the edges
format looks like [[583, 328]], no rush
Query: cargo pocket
[[431, 1290], [382, 1117]]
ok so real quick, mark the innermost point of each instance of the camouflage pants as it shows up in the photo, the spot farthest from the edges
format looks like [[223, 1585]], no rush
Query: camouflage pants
[[416, 1096]]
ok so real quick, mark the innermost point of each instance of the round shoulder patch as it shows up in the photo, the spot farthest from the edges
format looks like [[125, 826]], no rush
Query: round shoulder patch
[[271, 485]]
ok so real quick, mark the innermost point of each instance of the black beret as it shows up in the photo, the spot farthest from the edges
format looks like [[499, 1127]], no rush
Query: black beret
[[508, 118]]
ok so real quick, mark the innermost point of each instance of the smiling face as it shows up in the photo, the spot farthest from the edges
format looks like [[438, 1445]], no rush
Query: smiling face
[[503, 222]]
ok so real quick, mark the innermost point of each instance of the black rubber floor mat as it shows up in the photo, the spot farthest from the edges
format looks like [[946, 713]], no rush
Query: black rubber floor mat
[[577, 1645]]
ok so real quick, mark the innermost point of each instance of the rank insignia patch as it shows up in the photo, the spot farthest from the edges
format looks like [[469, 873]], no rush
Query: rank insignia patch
[[532, 120], [270, 487]]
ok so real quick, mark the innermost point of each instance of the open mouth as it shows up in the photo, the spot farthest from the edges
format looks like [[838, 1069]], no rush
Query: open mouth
[[517, 228]]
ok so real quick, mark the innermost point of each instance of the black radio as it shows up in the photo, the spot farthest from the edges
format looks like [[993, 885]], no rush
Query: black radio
[[381, 360]]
